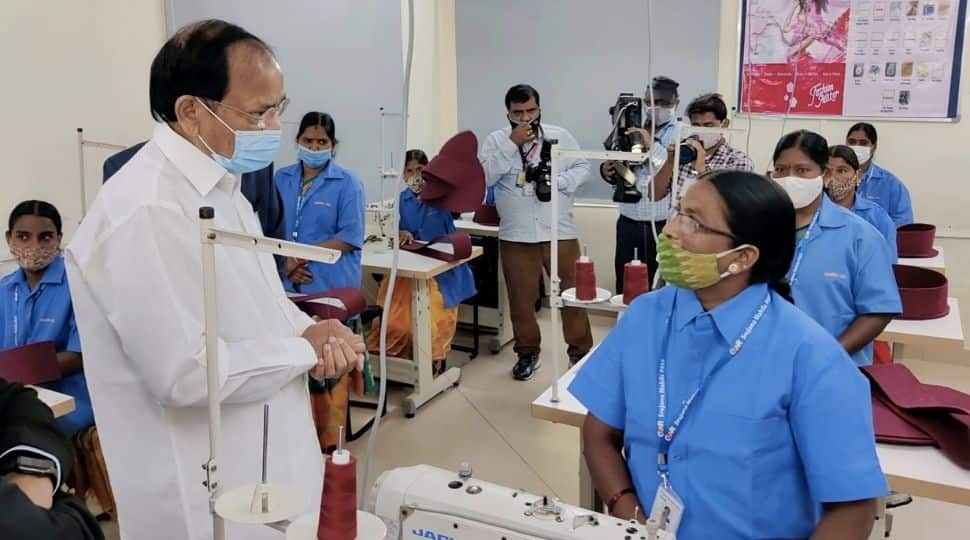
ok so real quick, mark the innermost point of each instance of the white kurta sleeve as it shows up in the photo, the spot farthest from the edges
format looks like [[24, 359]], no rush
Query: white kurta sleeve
[[146, 276]]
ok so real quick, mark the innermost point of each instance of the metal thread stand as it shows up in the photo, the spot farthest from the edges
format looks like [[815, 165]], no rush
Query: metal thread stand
[[210, 237]]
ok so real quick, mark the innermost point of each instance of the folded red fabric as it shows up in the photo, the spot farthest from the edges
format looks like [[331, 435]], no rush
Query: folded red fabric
[[461, 244], [35, 363], [341, 304], [940, 412]]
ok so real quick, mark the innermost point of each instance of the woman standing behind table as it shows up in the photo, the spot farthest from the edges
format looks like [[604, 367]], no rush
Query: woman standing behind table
[[324, 206]]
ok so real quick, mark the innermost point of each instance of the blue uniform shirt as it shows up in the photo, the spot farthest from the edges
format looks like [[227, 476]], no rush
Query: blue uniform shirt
[[785, 426], [885, 189], [877, 216], [333, 207], [847, 271], [46, 314], [425, 223]]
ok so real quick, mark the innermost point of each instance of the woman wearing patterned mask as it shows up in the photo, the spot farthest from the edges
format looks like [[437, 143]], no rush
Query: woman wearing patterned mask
[[35, 303], [420, 222], [841, 182]]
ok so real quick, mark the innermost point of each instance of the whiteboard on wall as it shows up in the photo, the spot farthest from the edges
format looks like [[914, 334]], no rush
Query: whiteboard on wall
[[579, 55], [343, 57], [885, 59]]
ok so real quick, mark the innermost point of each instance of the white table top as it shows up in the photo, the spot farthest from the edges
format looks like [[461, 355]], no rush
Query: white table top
[[937, 263], [60, 404], [946, 331], [917, 470], [477, 229], [410, 265]]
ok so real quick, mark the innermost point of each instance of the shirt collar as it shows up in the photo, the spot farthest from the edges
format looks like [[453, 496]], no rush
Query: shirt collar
[[200, 170], [832, 215], [731, 318], [53, 274]]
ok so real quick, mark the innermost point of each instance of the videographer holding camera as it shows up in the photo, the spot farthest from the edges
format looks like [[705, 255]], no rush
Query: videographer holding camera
[[634, 228], [516, 162]]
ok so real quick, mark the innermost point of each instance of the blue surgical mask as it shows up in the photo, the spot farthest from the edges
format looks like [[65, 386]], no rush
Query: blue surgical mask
[[315, 159], [252, 150]]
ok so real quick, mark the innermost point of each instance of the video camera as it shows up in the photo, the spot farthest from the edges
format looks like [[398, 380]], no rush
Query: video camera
[[626, 113]]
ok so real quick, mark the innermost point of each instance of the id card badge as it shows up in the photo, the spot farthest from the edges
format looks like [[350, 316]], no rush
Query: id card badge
[[667, 509], [520, 179], [529, 189]]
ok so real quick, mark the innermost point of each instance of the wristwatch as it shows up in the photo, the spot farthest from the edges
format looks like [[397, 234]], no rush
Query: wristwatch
[[34, 466]]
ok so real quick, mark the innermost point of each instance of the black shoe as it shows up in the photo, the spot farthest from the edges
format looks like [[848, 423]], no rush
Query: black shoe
[[526, 367]]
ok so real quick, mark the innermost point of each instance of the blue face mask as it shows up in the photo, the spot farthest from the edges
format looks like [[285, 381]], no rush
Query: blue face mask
[[252, 150], [314, 159]]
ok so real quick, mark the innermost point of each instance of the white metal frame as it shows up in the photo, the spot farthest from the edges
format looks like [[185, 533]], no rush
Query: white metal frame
[[81, 143], [211, 237]]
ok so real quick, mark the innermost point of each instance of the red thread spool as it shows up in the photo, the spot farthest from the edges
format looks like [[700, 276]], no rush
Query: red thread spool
[[338, 507], [585, 279], [635, 280]]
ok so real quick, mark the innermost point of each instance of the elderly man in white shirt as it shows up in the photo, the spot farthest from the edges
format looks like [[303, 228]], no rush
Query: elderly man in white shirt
[[524, 230], [136, 279]]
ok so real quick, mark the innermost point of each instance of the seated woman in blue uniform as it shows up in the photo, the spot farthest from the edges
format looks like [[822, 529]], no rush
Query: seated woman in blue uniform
[[877, 184], [323, 204], [718, 407], [842, 273], [35, 303], [422, 222], [841, 181]]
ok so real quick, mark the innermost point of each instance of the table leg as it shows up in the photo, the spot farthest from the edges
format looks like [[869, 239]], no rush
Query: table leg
[[427, 385], [588, 498], [504, 334]]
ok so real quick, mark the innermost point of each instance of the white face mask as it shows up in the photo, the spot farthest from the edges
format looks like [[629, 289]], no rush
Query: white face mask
[[802, 191], [661, 114], [864, 153], [709, 140]]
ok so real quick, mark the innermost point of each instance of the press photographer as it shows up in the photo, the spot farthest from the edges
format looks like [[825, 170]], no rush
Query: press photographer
[[516, 160]]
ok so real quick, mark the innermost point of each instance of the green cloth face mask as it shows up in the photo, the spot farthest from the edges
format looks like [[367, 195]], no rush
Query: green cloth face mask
[[689, 270]]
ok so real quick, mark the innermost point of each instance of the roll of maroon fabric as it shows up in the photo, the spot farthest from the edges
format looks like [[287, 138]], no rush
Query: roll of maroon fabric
[[923, 293], [916, 241]]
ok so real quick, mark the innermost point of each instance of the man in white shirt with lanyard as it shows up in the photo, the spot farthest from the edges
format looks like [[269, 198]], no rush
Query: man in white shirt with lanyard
[[524, 231], [135, 268]]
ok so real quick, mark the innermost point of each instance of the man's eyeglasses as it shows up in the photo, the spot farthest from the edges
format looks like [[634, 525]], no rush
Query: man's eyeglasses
[[259, 120], [690, 225]]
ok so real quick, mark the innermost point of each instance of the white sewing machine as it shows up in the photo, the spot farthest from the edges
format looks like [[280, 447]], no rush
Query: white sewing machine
[[425, 502]]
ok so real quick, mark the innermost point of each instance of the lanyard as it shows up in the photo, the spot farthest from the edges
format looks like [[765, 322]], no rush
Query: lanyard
[[16, 317], [800, 250], [667, 437], [300, 201]]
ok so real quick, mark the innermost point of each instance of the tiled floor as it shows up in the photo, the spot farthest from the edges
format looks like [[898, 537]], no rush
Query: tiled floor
[[486, 422]]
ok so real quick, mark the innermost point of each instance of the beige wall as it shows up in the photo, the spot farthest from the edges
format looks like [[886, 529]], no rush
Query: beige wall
[[433, 98], [70, 64]]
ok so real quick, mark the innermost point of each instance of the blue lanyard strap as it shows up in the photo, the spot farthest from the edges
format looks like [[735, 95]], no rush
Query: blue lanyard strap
[[300, 201], [666, 436], [800, 250]]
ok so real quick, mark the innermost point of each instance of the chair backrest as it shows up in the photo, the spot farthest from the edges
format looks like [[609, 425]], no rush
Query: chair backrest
[[35, 363]]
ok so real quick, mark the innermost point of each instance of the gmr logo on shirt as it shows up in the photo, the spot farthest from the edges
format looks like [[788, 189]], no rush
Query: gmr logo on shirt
[[421, 533]]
